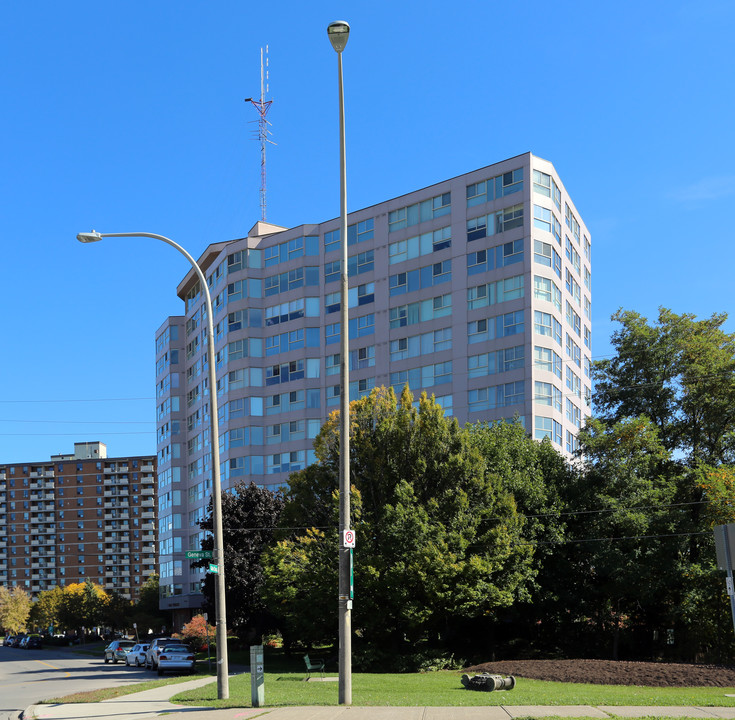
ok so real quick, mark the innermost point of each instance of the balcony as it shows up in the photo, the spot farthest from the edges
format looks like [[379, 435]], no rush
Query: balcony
[[147, 515], [147, 468], [148, 491]]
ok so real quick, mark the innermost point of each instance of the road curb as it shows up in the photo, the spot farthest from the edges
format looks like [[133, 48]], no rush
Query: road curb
[[28, 713]]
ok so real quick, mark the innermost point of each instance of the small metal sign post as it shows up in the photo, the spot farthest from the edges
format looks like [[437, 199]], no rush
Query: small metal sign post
[[257, 676], [725, 548], [206, 629]]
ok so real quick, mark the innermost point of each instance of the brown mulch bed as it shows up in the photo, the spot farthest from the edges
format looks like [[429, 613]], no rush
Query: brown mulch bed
[[612, 672]]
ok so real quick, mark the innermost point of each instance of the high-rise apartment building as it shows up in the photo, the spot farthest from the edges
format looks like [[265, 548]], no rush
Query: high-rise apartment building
[[77, 517], [476, 289]]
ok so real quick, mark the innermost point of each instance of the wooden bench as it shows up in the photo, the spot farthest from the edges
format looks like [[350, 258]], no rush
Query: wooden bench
[[313, 666]]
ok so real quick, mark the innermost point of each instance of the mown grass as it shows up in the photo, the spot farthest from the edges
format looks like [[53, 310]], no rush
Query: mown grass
[[444, 689], [109, 693]]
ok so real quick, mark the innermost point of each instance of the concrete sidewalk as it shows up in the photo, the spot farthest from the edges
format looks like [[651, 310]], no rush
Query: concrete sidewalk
[[155, 703]]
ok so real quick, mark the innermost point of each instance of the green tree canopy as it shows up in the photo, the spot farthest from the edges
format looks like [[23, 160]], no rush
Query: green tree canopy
[[45, 610], [438, 533], [82, 606], [250, 515], [680, 373]]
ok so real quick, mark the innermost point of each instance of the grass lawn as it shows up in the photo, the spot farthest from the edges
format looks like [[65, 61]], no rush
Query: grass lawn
[[445, 689], [90, 696]]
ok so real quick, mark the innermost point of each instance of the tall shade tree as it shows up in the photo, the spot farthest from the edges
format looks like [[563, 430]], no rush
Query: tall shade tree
[[438, 534], [82, 606], [15, 607], [146, 613], [680, 373], [45, 610], [249, 517]]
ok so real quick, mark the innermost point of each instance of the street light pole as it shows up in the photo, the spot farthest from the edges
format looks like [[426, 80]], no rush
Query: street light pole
[[338, 33], [223, 690]]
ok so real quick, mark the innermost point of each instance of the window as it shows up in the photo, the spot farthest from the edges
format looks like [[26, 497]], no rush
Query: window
[[573, 287], [420, 212], [574, 384], [574, 351], [573, 319], [572, 255], [547, 394], [547, 324], [363, 357], [478, 331], [425, 244], [542, 183], [331, 333], [574, 414], [571, 222], [332, 271], [362, 326], [547, 359], [542, 218], [332, 364], [360, 263], [545, 289], [548, 428], [477, 193], [510, 324], [509, 218], [544, 254], [365, 294]]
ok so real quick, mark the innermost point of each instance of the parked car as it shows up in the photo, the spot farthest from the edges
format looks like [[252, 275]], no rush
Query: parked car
[[136, 656], [117, 650], [8, 642], [154, 650], [32, 641], [18, 640], [176, 657]]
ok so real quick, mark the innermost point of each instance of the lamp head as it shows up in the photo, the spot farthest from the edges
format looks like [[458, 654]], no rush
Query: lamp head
[[338, 33], [89, 237]]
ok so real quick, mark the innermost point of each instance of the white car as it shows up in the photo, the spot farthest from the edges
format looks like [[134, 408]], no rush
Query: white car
[[176, 657], [136, 655]]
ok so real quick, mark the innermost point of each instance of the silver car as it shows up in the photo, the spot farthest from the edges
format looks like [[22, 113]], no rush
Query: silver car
[[154, 650], [176, 657], [136, 656], [118, 650]]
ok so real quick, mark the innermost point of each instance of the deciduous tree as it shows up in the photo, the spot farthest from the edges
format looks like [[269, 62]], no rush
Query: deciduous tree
[[438, 533], [15, 607], [249, 516]]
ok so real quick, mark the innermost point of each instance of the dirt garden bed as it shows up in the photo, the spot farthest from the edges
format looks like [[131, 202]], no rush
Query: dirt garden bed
[[612, 672]]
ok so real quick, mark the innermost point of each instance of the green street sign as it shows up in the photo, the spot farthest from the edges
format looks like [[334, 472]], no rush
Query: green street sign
[[199, 554], [213, 568]]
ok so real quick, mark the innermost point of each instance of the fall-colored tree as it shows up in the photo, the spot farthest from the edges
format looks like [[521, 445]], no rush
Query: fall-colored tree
[[15, 607], [197, 632]]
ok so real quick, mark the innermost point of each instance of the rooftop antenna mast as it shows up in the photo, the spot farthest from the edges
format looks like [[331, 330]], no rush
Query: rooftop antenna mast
[[262, 106]]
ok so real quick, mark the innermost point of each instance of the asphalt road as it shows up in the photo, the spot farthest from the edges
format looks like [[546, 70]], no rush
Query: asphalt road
[[27, 676]]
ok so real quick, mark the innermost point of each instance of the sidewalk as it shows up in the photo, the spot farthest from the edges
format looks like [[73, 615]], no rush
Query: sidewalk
[[155, 703]]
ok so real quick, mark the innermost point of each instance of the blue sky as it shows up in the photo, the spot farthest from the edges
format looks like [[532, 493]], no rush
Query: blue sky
[[130, 117]]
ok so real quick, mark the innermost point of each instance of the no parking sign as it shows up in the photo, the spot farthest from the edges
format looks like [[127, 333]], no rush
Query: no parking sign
[[348, 538]]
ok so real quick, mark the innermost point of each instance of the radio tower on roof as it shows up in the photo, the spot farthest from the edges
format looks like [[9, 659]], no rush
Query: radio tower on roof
[[262, 106]]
